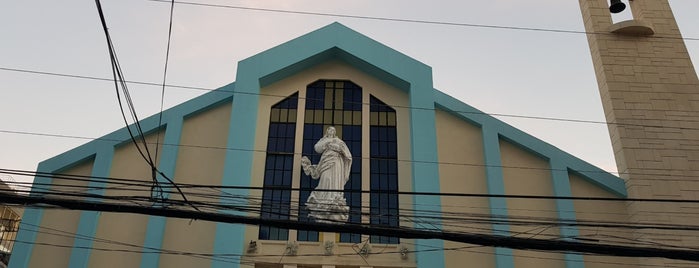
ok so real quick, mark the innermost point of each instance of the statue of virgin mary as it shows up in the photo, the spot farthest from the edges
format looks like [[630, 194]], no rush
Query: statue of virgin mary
[[327, 202]]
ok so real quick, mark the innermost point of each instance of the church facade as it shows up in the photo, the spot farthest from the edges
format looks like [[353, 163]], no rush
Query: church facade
[[405, 138]]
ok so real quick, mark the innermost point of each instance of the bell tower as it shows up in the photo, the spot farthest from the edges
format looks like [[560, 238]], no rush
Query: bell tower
[[650, 95]]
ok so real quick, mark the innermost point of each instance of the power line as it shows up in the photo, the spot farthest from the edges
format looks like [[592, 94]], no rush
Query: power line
[[543, 118], [185, 185], [236, 257], [470, 218], [476, 239], [661, 170], [162, 92], [119, 81], [443, 23], [232, 258], [473, 218]]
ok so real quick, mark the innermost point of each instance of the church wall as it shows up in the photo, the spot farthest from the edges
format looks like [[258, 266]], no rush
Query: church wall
[[200, 160], [462, 170], [63, 222], [527, 174], [123, 227]]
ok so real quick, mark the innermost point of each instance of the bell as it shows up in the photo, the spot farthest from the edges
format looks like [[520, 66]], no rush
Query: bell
[[616, 6]]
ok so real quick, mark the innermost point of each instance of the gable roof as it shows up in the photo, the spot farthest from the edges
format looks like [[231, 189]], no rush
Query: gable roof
[[336, 41]]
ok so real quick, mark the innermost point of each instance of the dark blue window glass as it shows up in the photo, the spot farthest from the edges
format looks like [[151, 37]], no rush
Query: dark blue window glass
[[276, 196], [383, 170]]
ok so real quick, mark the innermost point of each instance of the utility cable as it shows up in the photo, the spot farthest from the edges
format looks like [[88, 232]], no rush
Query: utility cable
[[443, 23], [476, 239], [545, 118], [691, 178], [118, 76], [412, 193]]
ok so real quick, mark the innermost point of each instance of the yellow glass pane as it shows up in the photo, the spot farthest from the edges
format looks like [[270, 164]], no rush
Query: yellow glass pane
[[308, 117], [338, 117], [292, 115], [274, 115], [318, 117], [347, 120], [357, 118], [391, 119], [284, 115], [328, 117], [339, 95]]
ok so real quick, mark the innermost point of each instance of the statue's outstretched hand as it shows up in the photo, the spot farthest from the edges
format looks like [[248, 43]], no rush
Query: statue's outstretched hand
[[305, 162]]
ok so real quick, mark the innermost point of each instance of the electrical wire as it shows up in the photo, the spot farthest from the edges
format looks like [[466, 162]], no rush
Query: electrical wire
[[162, 92], [443, 23], [544, 118], [467, 222], [411, 193], [119, 81], [464, 217], [661, 171], [477, 239]]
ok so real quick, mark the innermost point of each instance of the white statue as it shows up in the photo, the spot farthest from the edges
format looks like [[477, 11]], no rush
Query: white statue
[[333, 172]]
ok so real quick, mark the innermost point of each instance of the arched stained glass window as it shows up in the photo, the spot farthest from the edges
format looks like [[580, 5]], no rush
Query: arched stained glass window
[[276, 197], [383, 169]]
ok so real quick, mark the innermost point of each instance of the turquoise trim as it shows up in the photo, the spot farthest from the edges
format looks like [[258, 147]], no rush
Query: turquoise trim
[[496, 186], [565, 209], [87, 226], [155, 229]]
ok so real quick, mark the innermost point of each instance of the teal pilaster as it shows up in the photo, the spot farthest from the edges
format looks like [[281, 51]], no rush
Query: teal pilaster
[[168, 161], [237, 169], [26, 236], [87, 225], [496, 186], [565, 209], [425, 169]]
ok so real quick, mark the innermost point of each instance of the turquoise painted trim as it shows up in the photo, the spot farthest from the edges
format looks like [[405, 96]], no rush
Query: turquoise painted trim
[[496, 186], [155, 229], [565, 209], [87, 225], [589, 172]]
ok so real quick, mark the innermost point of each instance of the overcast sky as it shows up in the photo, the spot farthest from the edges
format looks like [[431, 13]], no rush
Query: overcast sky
[[499, 71]]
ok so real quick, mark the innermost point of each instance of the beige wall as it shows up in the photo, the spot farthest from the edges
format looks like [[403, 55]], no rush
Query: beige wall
[[126, 228], [200, 160], [605, 211], [527, 174], [462, 170], [62, 220]]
